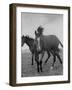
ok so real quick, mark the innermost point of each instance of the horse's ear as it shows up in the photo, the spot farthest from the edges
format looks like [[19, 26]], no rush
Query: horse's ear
[[23, 36], [35, 33]]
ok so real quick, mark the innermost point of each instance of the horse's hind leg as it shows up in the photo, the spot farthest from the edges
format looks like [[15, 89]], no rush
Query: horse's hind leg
[[54, 59], [32, 58], [59, 57], [48, 56]]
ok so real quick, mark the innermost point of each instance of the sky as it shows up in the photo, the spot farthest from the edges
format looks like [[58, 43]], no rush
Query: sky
[[52, 24]]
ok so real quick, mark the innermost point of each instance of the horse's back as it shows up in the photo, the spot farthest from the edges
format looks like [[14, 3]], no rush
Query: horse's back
[[49, 41]]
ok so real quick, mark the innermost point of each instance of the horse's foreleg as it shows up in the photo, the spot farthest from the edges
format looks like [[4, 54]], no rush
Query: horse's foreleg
[[37, 66], [41, 61], [41, 66], [48, 56], [37, 61]]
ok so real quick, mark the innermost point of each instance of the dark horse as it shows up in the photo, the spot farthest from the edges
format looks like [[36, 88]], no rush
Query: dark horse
[[33, 48], [30, 42], [47, 43]]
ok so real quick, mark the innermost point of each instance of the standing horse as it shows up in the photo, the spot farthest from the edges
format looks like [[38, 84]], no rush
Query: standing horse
[[30, 42], [48, 43], [33, 48]]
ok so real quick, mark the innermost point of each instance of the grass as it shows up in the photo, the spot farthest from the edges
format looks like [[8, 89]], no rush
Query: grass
[[28, 70]]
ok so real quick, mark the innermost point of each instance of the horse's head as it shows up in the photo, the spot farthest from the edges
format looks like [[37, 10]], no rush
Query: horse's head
[[23, 40], [37, 34], [37, 40], [40, 30]]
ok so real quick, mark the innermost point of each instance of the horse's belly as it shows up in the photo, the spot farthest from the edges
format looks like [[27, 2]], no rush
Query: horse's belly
[[50, 45]]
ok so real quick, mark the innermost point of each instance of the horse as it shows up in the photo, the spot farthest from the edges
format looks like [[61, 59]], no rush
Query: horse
[[30, 42], [32, 46], [50, 44]]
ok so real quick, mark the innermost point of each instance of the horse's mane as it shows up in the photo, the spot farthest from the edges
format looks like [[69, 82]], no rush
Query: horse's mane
[[27, 36]]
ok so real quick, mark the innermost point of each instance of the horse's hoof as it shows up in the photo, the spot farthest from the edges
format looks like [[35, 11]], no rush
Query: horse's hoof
[[51, 67]]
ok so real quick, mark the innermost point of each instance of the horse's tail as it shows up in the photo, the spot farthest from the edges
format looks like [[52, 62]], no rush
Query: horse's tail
[[61, 43]]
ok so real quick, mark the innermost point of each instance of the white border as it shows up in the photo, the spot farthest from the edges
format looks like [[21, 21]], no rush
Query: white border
[[63, 77]]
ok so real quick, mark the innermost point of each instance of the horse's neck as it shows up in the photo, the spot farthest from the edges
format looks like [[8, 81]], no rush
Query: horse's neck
[[29, 43]]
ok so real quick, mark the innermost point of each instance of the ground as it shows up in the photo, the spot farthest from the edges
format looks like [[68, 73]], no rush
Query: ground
[[28, 70]]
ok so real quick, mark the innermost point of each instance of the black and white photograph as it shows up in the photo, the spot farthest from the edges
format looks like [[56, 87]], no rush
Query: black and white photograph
[[41, 44]]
